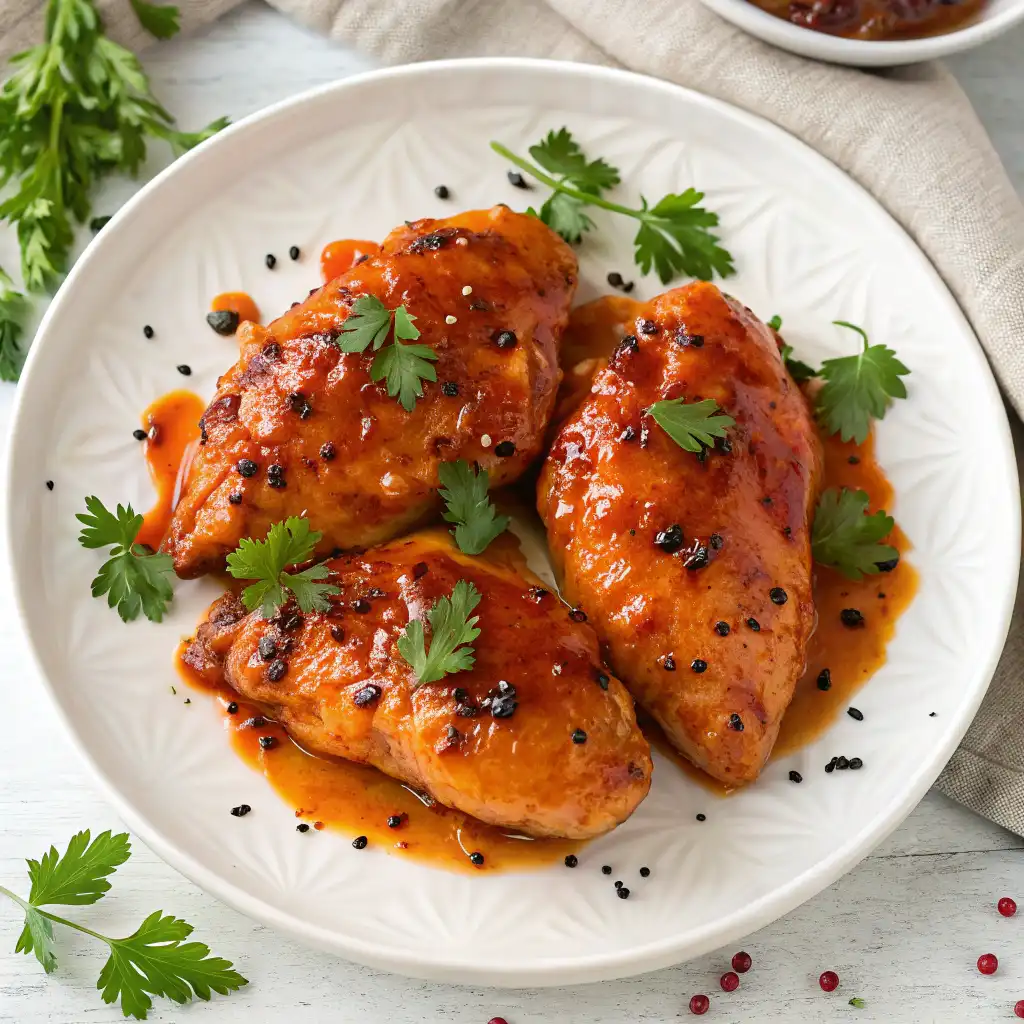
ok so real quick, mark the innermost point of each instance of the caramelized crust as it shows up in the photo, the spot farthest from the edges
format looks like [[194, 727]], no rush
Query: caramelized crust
[[350, 458], [346, 691], [614, 480]]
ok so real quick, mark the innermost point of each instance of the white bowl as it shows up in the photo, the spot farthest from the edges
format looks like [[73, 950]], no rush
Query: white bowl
[[995, 18]]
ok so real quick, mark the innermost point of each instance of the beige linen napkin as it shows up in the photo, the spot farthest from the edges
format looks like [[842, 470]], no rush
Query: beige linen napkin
[[908, 135]]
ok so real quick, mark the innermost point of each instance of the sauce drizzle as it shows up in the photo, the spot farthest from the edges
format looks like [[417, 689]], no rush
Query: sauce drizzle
[[344, 254], [236, 302]]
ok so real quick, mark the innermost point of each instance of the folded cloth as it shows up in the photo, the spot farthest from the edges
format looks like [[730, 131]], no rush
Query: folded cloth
[[908, 135]]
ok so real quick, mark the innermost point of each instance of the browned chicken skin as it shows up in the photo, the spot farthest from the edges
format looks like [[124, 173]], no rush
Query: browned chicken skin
[[346, 691], [614, 480], [349, 456]]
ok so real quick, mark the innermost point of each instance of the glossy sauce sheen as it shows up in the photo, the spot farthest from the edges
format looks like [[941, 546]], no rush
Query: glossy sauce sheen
[[172, 423], [237, 302], [851, 655], [876, 19], [342, 255]]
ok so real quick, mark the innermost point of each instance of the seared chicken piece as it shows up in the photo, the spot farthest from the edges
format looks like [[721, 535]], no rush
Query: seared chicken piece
[[346, 454], [694, 570], [537, 736]]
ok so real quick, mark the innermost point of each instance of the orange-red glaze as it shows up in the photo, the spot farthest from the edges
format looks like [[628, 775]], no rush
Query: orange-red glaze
[[382, 478], [524, 772], [342, 255], [172, 423], [851, 655], [237, 302], [876, 19], [613, 479]]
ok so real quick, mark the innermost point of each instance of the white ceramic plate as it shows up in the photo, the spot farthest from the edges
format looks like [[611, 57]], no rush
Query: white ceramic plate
[[353, 159], [995, 18]]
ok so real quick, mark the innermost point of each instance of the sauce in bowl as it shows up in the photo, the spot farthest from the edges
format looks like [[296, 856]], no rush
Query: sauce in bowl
[[875, 19]]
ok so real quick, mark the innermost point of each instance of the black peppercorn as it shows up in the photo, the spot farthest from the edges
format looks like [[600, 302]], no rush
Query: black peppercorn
[[267, 742], [606, 869], [503, 449], [359, 842], [247, 467], [648, 327], [337, 634], [622, 893], [328, 451], [148, 331], [697, 559], [722, 628], [504, 339], [241, 810], [715, 540], [184, 369], [888, 565], [139, 434], [449, 388], [233, 708], [369, 694], [234, 499], [645, 872], [49, 485], [778, 595], [394, 820], [276, 670], [735, 722], [669, 664], [268, 648], [577, 614], [842, 764], [360, 605], [753, 624], [831, 766], [795, 777], [224, 321], [271, 261], [516, 179], [702, 817], [699, 665], [476, 858], [571, 860], [825, 679], [857, 716], [579, 736], [294, 252], [670, 540], [615, 279], [856, 763], [302, 827], [441, 192], [851, 618]]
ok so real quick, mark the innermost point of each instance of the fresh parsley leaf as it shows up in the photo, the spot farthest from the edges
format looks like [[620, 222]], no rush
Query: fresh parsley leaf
[[133, 578], [674, 236], [159, 20], [155, 960], [693, 426], [76, 108], [846, 537], [79, 877], [290, 542], [674, 239], [404, 367], [798, 370], [775, 323], [559, 153], [452, 631], [368, 322], [859, 388], [858, 1003], [464, 490], [13, 309]]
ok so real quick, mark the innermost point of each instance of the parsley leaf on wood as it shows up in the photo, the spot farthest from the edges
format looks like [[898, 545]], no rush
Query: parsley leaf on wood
[[159, 20], [151, 961], [693, 426], [846, 537], [290, 542], [75, 108], [464, 490], [133, 578], [13, 308], [859, 388], [674, 236], [452, 630], [404, 367]]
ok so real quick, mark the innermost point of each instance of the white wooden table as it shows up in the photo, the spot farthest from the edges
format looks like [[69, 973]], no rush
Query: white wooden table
[[903, 930]]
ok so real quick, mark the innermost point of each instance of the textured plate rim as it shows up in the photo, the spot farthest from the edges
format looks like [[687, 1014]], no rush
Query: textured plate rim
[[556, 971]]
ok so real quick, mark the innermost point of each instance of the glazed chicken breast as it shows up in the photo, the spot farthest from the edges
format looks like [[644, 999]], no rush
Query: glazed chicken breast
[[537, 736], [695, 569], [298, 428]]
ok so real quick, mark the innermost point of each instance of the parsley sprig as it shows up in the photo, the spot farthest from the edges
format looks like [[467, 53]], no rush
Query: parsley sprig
[[133, 578], [847, 538], [405, 367], [452, 630], [859, 388], [693, 426], [674, 236], [76, 108], [464, 489], [153, 960], [13, 309], [290, 542]]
